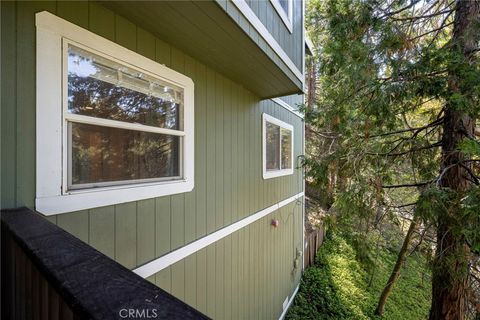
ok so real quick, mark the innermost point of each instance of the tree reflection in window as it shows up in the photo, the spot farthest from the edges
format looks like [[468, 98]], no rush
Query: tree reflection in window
[[278, 147], [103, 154], [273, 146], [284, 5], [286, 149], [102, 88]]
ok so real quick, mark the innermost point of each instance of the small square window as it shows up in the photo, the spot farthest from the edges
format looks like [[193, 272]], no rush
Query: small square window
[[277, 147]]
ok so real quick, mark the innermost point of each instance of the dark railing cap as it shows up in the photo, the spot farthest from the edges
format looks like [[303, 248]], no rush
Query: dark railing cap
[[92, 284]]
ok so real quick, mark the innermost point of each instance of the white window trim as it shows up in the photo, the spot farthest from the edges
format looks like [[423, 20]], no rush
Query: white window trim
[[50, 138], [274, 173], [285, 16]]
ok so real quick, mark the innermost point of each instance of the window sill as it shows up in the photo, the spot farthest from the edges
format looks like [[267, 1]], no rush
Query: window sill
[[98, 197], [276, 173]]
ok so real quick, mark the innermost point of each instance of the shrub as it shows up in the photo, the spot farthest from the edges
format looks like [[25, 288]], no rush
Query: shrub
[[336, 287]]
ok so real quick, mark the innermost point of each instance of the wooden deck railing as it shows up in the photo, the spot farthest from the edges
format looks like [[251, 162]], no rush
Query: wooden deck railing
[[46, 273]]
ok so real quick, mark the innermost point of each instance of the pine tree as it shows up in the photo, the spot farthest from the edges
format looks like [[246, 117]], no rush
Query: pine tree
[[450, 276], [398, 99]]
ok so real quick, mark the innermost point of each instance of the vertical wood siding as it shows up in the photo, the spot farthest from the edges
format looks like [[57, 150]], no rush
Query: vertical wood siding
[[294, 100], [228, 176], [246, 275], [290, 42]]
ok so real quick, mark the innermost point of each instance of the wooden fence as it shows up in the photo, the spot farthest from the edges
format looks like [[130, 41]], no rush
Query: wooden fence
[[313, 240], [46, 273]]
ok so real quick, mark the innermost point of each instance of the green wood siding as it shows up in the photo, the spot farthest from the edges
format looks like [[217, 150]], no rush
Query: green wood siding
[[246, 275], [8, 106], [290, 42], [228, 176]]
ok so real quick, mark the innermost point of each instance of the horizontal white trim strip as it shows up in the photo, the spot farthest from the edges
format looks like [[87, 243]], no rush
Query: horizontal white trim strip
[[78, 118], [163, 262], [248, 13], [282, 103], [284, 313]]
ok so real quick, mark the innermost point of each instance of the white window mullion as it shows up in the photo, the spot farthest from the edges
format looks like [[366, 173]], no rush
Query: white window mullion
[[121, 125]]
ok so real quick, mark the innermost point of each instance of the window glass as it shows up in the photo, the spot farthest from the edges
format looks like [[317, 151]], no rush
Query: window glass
[[101, 88], [284, 5], [286, 149], [108, 155], [272, 146], [104, 154], [277, 147]]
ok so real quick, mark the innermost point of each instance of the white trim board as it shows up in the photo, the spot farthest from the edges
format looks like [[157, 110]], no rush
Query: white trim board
[[163, 262], [284, 313], [251, 17], [282, 103], [285, 16]]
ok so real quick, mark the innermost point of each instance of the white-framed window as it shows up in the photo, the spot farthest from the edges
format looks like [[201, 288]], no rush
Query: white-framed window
[[277, 147], [112, 126], [284, 9]]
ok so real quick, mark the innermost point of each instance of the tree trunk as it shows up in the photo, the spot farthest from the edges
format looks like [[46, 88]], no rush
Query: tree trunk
[[311, 80], [450, 272], [396, 269]]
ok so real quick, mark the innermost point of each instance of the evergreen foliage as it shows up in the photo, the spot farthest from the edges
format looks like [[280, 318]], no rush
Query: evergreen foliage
[[391, 132], [339, 287]]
